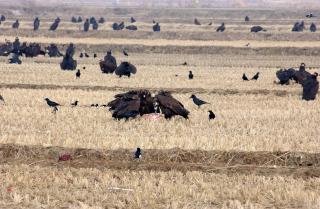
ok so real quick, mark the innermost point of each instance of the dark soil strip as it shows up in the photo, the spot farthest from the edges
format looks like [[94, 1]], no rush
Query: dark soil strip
[[280, 93], [296, 164]]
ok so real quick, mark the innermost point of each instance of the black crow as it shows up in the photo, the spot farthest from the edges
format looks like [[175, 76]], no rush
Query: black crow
[[78, 74], [2, 99], [74, 104], [125, 53], [198, 101], [86, 55], [256, 76], [51, 103], [244, 77], [211, 115], [190, 75], [221, 28], [81, 55], [137, 154], [95, 55], [185, 63]]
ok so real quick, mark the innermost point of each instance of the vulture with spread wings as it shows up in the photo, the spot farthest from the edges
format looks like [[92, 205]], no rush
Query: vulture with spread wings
[[140, 102]]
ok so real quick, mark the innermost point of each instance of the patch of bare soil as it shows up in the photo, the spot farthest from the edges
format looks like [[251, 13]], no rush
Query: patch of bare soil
[[296, 164]]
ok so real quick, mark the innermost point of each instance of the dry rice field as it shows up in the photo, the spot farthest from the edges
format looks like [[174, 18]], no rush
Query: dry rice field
[[261, 151]]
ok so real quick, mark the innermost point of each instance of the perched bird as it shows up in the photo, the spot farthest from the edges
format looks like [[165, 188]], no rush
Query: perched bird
[[190, 75], [51, 103], [125, 53], [95, 55], [78, 74], [137, 154], [211, 115], [244, 77], [256, 76], [81, 55], [198, 101], [74, 104], [2, 99]]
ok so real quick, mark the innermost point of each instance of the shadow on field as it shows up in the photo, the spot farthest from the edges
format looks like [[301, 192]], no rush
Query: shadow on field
[[296, 164]]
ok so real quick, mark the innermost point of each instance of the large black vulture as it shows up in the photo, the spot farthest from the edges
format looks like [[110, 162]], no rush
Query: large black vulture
[[55, 24], [16, 46], [221, 28], [196, 21], [68, 63], [74, 19], [116, 26], [301, 74], [285, 75], [140, 102], [257, 28], [298, 27], [53, 51], [94, 23], [86, 25], [79, 19], [33, 50], [109, 64], [125, 69], [313, 27], [16, 24], [132, 27], [156, 27], [36, 24], [310, 87], [101, 20]]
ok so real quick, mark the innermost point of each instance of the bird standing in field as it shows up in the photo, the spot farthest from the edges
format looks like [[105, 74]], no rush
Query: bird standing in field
[[95, 55], [198, 101], [256, 76], [74, 104], [137, 154], [125, 53], [212, 116], [51, 103], [244, 77], [78, 74], [86, 55], [190, 75], [2, 99]]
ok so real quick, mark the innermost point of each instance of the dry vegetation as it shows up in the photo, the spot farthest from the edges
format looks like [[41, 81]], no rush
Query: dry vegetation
[[251, 116]]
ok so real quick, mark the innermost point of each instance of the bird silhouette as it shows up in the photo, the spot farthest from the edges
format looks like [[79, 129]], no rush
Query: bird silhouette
[[190, 75], [198, 101], [125, 53], [244, 77], [2, 99], [84, 68], [51, 103], [185, 63], [78, 74], [86, 55], [81, 55], [212, 116], [137, 154], [75, 103], [248, 44], [95, 55], [256, 76]]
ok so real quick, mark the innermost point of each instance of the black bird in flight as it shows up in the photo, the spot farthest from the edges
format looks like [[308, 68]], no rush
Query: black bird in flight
[[198, 101], [125, 53], [190, 75], [51, 103], [244, 77], [256, 76], [74, 104], [2, 99], [78, 74], [137, 154], [211, 115]]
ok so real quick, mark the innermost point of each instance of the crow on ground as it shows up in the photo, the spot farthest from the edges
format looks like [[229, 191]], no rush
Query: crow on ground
[[190, 75], [198, 101], [137, 154], [51, 103], [78, 74], [256, 76], [244, 77], [75, 103], [125, 53], [212, 116]]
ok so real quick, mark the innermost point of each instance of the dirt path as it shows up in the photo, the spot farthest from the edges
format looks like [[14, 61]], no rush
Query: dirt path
[[305, 165]]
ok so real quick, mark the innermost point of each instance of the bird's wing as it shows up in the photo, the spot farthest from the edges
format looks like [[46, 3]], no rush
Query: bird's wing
[[310, 88], [133, 69], [167, 102], [127, 109]]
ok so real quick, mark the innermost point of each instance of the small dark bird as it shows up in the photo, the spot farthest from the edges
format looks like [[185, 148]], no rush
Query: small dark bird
[[94, 105], [2, 99], [244, 77], [256, 76], [137, 154], [78, 74], [81, 55], [74, 104], [51, 103], [198, 101], [190, 75], [248, 44], [86, 55], [185, 63], [211, 115], [125, 53], [95, 55], [84, 68]]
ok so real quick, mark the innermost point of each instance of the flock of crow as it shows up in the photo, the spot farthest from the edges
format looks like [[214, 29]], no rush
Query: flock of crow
[[141, 102]]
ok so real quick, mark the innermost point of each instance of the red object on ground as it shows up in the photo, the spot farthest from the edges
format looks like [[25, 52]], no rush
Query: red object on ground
[[9, 189], [65, 157]]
